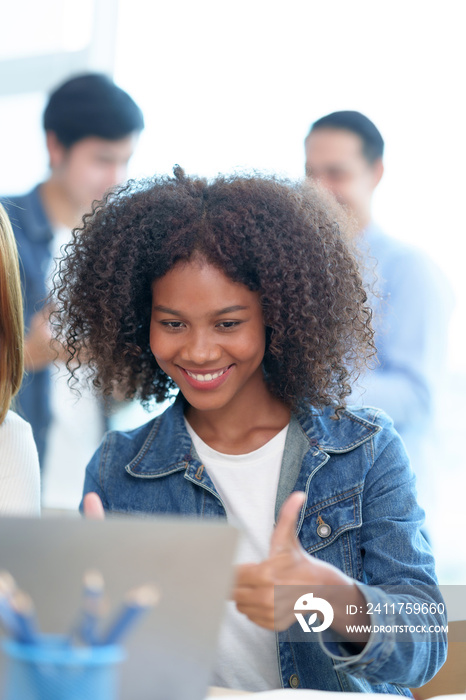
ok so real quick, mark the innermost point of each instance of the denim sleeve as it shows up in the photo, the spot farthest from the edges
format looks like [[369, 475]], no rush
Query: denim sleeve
[[94, 477], [398, 568]]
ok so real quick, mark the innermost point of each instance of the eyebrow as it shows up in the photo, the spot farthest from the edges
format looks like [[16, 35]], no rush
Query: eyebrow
[[220, 312]]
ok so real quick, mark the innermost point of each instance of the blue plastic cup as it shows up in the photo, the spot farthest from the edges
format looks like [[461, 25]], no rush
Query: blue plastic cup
[[55, 670]]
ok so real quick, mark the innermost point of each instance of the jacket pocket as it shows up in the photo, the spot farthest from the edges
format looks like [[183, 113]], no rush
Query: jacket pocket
[[330, 531]]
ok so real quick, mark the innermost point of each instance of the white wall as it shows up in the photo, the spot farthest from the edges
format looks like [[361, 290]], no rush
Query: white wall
[[226, 85]]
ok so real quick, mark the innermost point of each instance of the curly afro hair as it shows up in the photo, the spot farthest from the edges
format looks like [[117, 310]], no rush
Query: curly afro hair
[[283, 239]]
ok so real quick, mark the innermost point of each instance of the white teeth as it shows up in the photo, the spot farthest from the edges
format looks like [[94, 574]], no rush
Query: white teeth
[[206, 377]]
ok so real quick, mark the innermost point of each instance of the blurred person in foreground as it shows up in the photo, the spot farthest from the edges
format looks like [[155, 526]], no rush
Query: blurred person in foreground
[[19, 463], [92, 128], [412, 304]]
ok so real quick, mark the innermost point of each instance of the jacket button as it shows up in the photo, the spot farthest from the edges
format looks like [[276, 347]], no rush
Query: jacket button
[[324, 530], [314, 442], [294, 681]]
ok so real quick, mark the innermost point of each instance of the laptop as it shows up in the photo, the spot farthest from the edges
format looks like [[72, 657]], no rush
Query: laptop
[[171, 649]]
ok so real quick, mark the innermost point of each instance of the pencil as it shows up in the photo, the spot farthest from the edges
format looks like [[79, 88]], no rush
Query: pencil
[[93, 589], [137, 602], [7, 583], [25, 619], [7, 615]]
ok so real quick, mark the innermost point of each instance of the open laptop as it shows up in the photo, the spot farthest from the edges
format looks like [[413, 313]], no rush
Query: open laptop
[[171, 650]]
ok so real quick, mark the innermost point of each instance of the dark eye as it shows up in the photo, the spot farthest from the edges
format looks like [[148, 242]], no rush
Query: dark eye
[[173, 324], [226, 325]]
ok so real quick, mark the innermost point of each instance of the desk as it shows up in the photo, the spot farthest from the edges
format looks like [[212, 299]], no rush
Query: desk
[[225, 692]]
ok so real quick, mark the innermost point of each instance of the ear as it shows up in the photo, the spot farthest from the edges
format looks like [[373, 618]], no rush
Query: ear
[[377, 172], [57, 150]]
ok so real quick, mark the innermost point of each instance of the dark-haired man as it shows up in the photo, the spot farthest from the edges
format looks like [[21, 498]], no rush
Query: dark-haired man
[[344, 152], [92, 127]]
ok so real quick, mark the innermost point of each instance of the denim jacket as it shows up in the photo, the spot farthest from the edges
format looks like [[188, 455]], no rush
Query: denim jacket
[[357, 478]]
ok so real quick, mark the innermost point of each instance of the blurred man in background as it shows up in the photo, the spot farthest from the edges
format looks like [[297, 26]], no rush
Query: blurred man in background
[[344, 152], [92, 127]]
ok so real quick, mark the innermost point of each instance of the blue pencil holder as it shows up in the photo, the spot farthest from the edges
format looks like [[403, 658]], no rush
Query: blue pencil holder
[[55, 670]]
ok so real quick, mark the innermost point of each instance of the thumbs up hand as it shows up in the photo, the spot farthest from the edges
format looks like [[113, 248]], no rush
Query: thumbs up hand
[[284, 541], [266, 592]]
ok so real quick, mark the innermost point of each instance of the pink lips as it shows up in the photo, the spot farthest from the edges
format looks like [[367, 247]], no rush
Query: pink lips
[[207, 385]]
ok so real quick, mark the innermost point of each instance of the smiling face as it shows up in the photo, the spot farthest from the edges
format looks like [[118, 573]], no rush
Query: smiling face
[[207, 333]]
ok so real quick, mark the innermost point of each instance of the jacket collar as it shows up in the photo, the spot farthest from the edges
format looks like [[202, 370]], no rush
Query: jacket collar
[[168, 447], [337, 435]]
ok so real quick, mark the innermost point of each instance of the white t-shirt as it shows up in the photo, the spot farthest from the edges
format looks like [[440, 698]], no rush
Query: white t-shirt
[[19, 468], [247, 484], [76, 428]]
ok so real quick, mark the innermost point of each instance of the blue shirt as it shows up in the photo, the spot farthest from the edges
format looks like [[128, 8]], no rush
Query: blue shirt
[[412, 308], [358, 481], [33, 233]]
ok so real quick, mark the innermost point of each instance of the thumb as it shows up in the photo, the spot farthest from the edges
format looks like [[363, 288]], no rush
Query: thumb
[[92, 506], [284, 535]]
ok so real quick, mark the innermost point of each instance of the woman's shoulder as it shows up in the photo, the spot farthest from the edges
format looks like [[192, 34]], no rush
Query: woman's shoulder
[[17, 441], [342, 429], [14, 425], [358, 434], [162, 435], [371, 414], [364, 437]]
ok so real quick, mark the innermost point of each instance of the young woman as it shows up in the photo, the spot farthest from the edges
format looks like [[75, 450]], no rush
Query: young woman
[[243, 293], [19, 463]]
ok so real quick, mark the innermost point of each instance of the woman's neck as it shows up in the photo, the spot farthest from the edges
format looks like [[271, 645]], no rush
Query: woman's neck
[[240, 429]]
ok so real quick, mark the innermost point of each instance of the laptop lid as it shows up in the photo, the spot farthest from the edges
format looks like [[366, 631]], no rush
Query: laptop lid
[[171, 650]]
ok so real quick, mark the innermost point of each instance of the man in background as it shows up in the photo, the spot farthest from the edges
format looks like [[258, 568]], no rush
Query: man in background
[[344, 152], [92, 127]]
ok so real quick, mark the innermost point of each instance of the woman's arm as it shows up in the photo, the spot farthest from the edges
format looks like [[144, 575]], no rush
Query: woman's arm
[[398, 570]]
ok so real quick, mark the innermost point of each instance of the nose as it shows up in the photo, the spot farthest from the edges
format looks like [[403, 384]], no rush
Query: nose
[[201, 348]]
